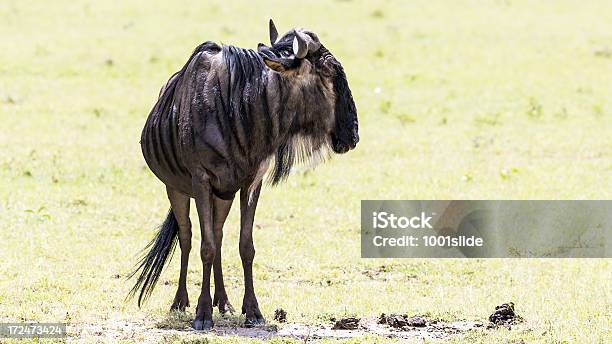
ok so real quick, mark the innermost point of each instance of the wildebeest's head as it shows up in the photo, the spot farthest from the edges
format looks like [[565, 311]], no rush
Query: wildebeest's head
[[298, 53]]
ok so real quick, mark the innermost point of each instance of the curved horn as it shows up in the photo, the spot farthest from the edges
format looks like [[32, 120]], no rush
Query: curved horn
[[273, 32], [300, 45], [312, 44]]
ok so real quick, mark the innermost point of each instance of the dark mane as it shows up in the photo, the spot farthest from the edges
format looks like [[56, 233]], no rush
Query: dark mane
[[245, 68], [246, 83]]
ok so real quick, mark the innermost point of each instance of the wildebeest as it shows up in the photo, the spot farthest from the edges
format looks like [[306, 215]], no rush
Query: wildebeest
[[218, 124]]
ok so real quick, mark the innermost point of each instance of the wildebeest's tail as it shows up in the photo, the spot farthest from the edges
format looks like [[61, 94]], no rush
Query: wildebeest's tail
[[152, 264]]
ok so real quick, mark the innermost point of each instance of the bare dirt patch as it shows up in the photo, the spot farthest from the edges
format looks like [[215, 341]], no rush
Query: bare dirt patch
[[395, 326], [402, 326]]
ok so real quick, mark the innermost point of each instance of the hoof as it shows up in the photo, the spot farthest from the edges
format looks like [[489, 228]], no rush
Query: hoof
[[224, 305], [224, 309], [179, 306], [254, 322], [202, 325], [181, 301]]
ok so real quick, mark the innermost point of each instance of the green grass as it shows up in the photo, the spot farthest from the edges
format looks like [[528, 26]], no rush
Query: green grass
[[457, 100]]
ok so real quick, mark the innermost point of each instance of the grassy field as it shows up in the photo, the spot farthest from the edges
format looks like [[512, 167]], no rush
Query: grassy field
[[457, 100]]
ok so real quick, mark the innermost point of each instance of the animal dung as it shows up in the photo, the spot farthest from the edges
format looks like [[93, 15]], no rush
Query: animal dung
[[416, 322], [401, 321], [504, 315], [280, 315], [349, 323]]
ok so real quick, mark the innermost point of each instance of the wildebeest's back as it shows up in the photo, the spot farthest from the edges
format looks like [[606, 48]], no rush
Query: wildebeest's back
[[165, 128]]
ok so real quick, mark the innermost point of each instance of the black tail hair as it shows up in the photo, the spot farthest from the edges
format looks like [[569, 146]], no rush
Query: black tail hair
[[152, 264]]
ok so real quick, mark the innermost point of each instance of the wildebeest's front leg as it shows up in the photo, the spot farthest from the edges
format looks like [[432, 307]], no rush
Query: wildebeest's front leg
[[202, 191], [221, 209], [180, 207], [247, 253]]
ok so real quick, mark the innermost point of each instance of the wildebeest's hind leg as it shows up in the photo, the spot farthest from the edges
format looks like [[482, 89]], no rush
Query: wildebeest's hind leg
[[202, 191], [247, 253], [180, 207], [221, 208]]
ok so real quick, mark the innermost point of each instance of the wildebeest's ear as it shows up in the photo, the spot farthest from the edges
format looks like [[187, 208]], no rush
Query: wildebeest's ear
[[278, 65], [273, 32], [275, 62]]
